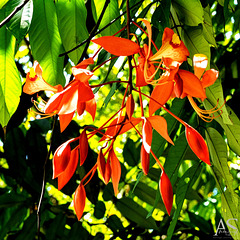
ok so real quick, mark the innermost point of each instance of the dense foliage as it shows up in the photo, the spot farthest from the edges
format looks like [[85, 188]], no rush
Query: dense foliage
[[159, 187]]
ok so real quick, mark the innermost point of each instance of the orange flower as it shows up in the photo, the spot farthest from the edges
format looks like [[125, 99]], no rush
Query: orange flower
[[35, 82], [76, 96], [172, 53], [193, 85]]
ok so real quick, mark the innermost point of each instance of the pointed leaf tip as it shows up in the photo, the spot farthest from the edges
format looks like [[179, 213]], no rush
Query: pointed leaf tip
[[79, 200], [197, 144], [166, 191]]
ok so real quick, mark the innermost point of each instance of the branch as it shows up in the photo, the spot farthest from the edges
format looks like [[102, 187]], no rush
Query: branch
[[11, 15], [97, 32]]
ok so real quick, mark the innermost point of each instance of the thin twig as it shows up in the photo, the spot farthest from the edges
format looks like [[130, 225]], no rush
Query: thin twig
[[44, 179], [97, 32], [93, 32], [11, 15]]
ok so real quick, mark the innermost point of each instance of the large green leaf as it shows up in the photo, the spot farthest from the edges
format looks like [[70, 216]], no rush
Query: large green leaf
[[3, 2], [20, 23], [232, 130], [195, 41], [111, 13], [218, 152], [72, 25], [230, 212], [136, 213], [207, 27], [189, 12], [184, 185], [45, 41], [10, 82], [175, 157]]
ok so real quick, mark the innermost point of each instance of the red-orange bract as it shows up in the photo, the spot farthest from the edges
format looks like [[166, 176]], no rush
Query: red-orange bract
[[166, 191], [79, 200], [197, 144], [117, 46]]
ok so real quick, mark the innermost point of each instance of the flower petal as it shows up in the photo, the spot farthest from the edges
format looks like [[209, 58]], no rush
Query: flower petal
[[191, 84], [85, 93], [145, 160], [79, 200], [200, 63], [64, 120], [209, 78], [166, 191], [91, 107], [197, 144], [117, 46], [147, 135], [160, 125], [161, 93], [70, 169], [172, 47]]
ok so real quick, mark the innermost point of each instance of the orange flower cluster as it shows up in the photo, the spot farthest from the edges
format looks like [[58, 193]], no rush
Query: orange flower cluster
[[171, 82]]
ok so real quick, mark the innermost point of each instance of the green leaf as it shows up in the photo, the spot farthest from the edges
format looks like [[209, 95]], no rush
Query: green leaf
[[10, 82], [218, 152], [99, 210], [148, 195], [72, 17], [232, 131], [230, 212], [207, 27], [131, 152], [195, 41], [111, 13], [3, 2], [45, 41], [185, 183], [78, 230], [114, 223], [136, 213], [20, 23], [215, 98], [189, 12], [175, 157]]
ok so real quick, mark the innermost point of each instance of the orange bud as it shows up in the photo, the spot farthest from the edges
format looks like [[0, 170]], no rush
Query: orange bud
[[197, 144], [166, 191], [79, 200]]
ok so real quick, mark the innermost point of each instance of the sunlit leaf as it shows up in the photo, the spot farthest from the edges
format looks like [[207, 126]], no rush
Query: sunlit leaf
[[190, 12], [72, 25], [10, 82], [46, 42], [20, 23]]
